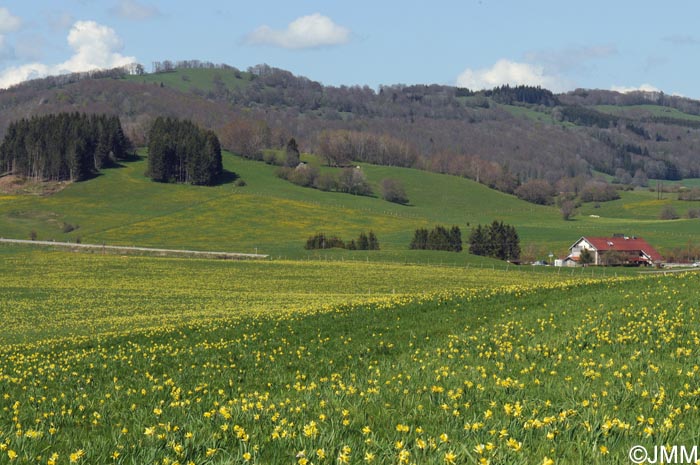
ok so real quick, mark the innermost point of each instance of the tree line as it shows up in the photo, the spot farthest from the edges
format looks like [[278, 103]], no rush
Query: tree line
[[497, 240], [63, 146], [181, 152], [365, 241], [438, 238]]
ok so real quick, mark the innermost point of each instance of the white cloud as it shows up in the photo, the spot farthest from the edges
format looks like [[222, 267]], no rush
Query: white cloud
[[642, 88], [95, 47], [310, 31], [8, 23], [509, 72], [131, 9]]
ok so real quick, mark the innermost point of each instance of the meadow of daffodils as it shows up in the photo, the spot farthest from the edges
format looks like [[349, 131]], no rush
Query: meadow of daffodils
[[157, 361]]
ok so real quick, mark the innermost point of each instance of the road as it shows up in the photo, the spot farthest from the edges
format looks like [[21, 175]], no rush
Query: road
[[120, 248]]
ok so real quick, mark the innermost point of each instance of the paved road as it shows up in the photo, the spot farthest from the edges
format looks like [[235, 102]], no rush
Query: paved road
[[119, 248]]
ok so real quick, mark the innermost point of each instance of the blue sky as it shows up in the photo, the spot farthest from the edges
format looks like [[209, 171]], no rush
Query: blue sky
[[472, 43]]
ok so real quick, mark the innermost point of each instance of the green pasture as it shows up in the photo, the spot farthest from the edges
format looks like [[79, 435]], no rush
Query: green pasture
[[272, 216]]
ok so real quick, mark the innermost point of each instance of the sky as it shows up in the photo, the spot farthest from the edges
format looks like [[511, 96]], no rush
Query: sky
[[621, 45]]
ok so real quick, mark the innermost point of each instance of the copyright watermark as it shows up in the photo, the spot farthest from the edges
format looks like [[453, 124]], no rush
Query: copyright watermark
[[663, 454]]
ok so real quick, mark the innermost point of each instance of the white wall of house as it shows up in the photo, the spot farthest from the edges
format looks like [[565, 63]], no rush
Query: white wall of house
[[584, 244]]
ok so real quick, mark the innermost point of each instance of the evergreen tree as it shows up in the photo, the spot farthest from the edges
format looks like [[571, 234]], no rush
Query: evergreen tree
[[373, 242], [64, 146], [178, 151], [363, 242], [420, 239], [292, 156], [455, 239]]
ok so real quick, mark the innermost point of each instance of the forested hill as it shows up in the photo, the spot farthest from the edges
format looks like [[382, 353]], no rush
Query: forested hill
[[501, 137]]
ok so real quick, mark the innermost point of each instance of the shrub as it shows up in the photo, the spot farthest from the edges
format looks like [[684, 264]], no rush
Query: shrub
[[326, 182], [536, 191], [599, 191], [668, 213], [353, 181], [393, 191]]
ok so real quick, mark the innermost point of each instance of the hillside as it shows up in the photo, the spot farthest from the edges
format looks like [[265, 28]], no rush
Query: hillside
[[272, 216], [499, 137]]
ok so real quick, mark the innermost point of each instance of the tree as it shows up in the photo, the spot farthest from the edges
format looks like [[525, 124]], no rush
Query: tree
[[668, 213], [292, 157], [536, 191], [439, 238], [179, 151], [420, 239], [63, 146], [353, 181], [497, 240], [393, 191], [567, 209], [585, 257], [363, 242], [614, 257], [373, 242]]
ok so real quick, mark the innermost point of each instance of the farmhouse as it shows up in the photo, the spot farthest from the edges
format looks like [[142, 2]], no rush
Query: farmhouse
[[616, 250]]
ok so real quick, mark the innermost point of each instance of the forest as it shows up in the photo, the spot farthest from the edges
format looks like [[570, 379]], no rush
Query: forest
[[63, 147], [503, 137], [181, 152]]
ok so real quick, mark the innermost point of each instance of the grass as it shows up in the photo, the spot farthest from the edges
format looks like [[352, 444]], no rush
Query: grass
[[195, 80], [147, 360], [272, 216]]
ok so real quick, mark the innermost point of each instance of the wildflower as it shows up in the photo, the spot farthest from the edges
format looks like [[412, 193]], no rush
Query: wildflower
[[369, 457], [77, 455], [247, 456], [12, 454], [450, 457], [513, 444]]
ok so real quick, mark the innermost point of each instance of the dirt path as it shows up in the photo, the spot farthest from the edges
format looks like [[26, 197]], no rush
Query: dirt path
[[119, 248]]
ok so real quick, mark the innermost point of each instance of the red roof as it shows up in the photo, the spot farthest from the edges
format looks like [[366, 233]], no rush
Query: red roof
[[631, 244]]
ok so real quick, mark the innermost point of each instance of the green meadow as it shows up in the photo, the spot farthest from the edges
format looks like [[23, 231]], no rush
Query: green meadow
[[272, 216]]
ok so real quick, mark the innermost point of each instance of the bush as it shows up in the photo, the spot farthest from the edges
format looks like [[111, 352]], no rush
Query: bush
[[393, 191], [536, 191], [668, 213], [67, 227], [239, 182], [326, 182], [694, 213], [353, 181], [599, 191], [689, 194]]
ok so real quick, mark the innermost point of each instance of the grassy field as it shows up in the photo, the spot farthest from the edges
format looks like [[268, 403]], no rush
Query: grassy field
[[272, 216], [125, 360], [195, 80]]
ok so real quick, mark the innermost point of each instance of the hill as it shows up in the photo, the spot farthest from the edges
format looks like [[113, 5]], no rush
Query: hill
[[500, 137], [273, 216]]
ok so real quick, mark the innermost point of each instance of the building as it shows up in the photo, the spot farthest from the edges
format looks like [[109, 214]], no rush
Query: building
[[616, 250]]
